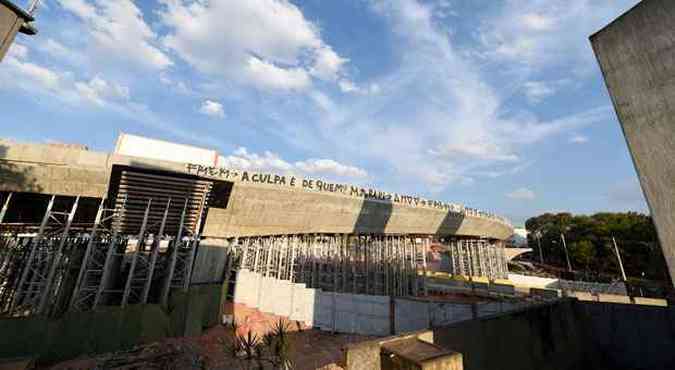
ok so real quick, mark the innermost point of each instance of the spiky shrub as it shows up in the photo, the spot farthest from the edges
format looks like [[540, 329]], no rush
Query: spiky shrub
[[278, 344], [245, 346], [273, 348]]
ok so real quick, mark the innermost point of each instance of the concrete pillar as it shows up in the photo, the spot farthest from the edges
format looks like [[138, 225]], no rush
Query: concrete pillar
[[636, 53]]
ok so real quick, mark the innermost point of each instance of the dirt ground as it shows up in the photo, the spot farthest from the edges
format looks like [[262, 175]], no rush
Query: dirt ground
[[310, 349]]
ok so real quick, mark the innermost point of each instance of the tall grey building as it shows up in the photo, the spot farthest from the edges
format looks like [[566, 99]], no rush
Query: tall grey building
[[636, 53]]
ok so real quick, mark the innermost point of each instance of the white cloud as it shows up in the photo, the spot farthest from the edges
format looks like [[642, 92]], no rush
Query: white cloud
[[25, 73], [438, 121], [578, 139], [242, 159], [536, 33], [212, 108], [179, 86], [521, 194], [327, 64], [536, 91], [537, 22], [98, 90], [119, 31], [59, 51], [268, 43], [60, 87], [55, 48], [57, 84], [329, 166], [17, 51], [347, 86], [268, 76]]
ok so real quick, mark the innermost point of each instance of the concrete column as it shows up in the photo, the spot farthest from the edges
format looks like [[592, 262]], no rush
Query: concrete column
[[636, 53]]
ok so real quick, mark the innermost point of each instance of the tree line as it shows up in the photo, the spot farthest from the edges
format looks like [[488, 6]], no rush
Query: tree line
[[590, 247]]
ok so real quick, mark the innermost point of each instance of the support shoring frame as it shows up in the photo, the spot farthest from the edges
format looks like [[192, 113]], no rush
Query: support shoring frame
[[41, 279]]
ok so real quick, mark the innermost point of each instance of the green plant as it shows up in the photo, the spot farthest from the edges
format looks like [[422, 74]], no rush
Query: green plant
[[272, 348]]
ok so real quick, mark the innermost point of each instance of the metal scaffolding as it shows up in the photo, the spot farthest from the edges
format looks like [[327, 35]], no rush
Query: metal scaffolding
[[57, 269], [477, 257], [363, 264]]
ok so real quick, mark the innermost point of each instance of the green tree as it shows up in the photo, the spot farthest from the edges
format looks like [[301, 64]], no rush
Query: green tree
[[582, 253], [589, 239]]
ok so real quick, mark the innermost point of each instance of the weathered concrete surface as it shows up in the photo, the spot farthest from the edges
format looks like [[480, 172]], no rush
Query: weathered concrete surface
[[413, 353], [252, 209], [630, 336], [256, 210], [52, 169], [567, 334], [12, 19], [368, 355], [636, 53], [546, 337]]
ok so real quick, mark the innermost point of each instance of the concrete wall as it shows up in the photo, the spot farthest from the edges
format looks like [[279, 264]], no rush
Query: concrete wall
[[340, 312], [546, 337], [52, 169], [253, 208], [630, 336], [636, 53], [109, 328], [416, 314], [567, 334]]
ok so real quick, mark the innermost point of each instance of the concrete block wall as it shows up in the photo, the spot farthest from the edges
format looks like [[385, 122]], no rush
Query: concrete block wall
[[341, 312]]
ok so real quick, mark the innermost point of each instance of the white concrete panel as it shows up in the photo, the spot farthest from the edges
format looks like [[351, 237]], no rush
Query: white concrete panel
[[247, 288], [267, 296], [281, 297], [139, 146], [303, 304]]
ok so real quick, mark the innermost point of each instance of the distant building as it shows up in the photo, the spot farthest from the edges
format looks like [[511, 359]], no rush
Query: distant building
[[518, 239], [636, 53]]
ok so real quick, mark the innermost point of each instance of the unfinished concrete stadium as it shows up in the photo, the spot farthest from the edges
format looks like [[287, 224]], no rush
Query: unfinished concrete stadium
[[102, 252], [157, 240], [134, 226]]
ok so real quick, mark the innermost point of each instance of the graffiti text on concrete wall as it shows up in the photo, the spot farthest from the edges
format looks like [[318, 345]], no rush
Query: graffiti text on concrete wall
[[315, 185]]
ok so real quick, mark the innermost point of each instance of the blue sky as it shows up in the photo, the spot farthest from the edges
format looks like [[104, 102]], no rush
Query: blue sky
[[499, 105]]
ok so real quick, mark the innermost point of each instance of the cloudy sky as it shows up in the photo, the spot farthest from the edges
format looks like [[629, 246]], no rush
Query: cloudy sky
[[498, 105]]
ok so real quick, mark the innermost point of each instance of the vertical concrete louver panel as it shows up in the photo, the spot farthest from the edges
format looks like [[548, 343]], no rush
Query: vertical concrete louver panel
[[636, 53]]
